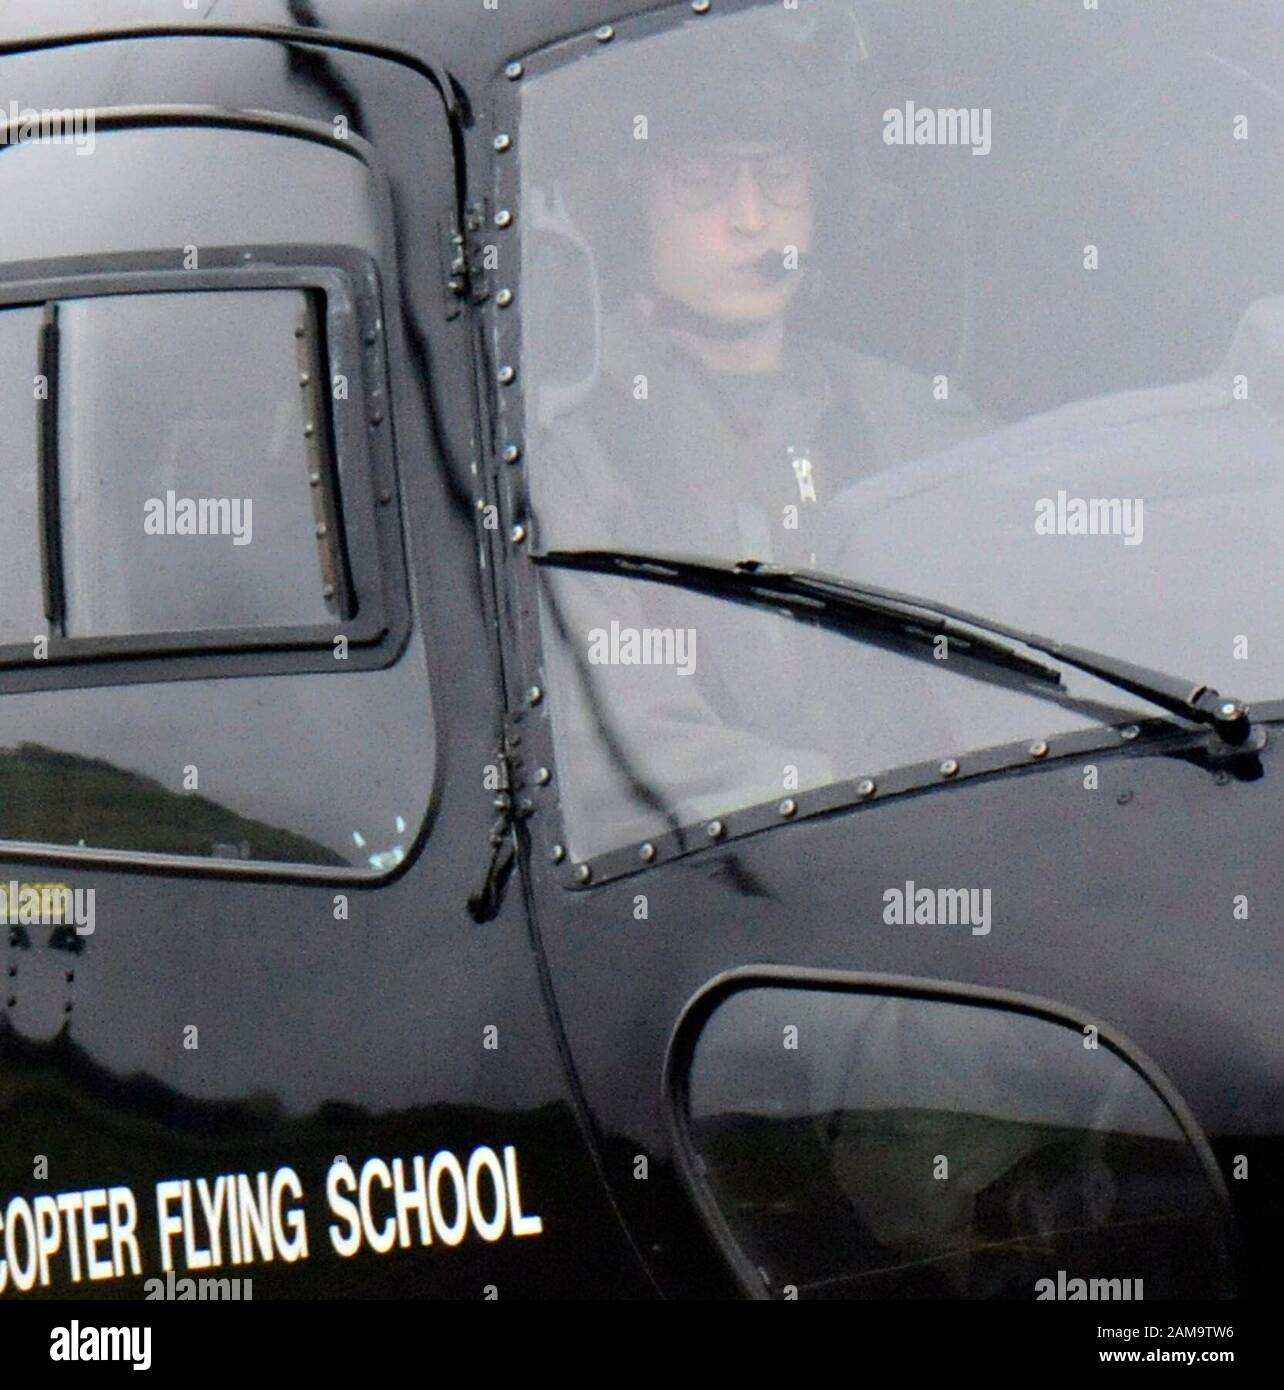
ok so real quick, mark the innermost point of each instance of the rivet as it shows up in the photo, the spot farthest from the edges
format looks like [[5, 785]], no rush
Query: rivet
[[700, 6], [557, 853], [788, 806], [647, 852], [503, 218], [518, 533], [605, 34], [513, 71], [504, 298], [543, 776], [304, 379], [502, 143], [949, 767], [1124, 798], [299, 330], [511, 453], [583, 873], [1038, 749], [714, 829], [321, 528], [1222, 779], [309, 430], [376, 418], [866, 786], [314, 480], [385, 497], [327, 591], [1129, 731], [371, 337], [506, 375], [534, 695]]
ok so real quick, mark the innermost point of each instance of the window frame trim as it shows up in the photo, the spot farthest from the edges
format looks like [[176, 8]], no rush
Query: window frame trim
[[497, 185], [359, 464], [705, 1002]]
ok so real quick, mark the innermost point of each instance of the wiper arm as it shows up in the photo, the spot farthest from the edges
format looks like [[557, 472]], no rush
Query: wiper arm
[[846, 603]]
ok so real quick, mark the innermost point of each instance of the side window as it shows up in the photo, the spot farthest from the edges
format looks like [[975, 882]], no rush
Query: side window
[[206, 649], [856, 1142], [187, 429], [182, 473]]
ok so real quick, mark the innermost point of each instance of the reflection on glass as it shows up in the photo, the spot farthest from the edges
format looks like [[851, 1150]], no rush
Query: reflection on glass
[[310, 769], [867, 1146], [53, 798]]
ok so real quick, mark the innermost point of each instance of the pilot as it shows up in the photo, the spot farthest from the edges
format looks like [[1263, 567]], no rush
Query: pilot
[[724, 415]]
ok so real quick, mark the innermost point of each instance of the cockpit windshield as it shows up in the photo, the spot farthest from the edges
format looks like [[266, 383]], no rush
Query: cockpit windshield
[[984, 302]]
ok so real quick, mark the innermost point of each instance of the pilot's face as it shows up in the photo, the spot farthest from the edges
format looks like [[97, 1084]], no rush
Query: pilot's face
[[722, 220]]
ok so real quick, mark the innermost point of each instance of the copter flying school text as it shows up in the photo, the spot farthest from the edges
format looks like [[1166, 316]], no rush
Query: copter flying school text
[[68, 1238]]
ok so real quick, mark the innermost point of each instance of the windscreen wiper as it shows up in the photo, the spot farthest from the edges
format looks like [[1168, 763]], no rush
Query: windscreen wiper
[[867, 608]]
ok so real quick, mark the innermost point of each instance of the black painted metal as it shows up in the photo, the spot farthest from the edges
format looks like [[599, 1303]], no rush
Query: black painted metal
[[363, 1036], [318, 1037]]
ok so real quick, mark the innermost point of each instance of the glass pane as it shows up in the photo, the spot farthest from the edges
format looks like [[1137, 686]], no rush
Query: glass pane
[[150, 187], [870, 1146], [184, 466], [22, 616], [328, 769], [672, 707], [956, 300]]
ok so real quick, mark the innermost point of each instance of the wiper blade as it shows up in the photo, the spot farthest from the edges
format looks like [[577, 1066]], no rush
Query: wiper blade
[[847, 603]]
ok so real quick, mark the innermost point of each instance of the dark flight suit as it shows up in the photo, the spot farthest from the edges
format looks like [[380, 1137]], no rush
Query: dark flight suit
[[666, 456]]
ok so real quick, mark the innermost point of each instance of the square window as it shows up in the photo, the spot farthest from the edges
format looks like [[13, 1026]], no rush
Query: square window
[[192, 441]]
